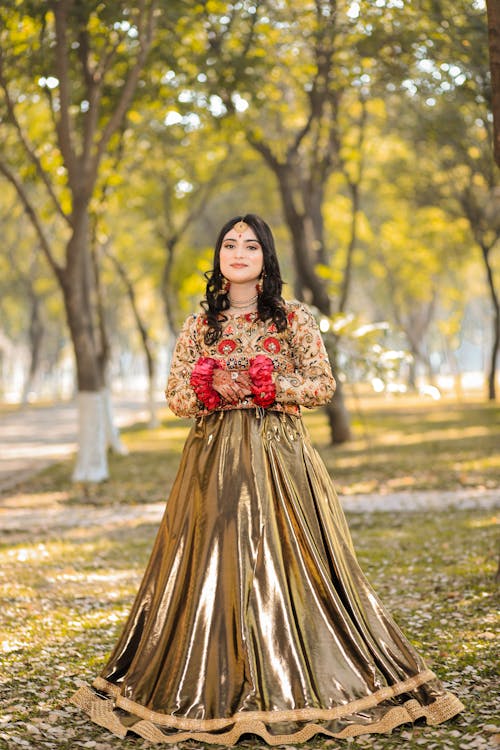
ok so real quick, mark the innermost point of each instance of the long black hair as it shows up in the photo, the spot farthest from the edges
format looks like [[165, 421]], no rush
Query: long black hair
[[270, 303]]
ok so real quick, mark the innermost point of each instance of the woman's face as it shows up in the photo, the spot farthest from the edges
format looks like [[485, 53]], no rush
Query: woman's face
[[241, 258]]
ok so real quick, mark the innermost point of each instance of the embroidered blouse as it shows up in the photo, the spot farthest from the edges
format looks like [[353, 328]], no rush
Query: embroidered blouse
[[302, 373]]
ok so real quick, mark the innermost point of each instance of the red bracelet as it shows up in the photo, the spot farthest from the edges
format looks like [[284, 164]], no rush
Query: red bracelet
[[263, 387], [201, 381]]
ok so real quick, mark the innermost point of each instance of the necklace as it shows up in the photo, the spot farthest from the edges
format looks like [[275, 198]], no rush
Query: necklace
[[242, 305]]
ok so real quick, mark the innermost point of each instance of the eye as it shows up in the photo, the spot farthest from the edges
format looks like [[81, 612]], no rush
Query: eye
[[228, 245], [253, 247]]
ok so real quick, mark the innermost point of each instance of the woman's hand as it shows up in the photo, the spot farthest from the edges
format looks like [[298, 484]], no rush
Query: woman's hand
[[232, 385]]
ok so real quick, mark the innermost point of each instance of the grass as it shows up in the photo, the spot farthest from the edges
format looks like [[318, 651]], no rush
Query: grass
[[397, 445], [66, 591], [415, 445]]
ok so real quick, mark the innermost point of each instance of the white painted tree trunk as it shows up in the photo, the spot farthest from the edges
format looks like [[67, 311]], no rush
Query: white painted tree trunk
[[112, 432], [92, 461]]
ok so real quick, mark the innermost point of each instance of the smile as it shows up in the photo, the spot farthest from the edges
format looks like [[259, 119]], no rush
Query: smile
[[238, 265]]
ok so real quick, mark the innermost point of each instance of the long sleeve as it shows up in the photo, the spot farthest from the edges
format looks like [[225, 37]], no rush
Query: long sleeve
[[181, 397], [312, 383]]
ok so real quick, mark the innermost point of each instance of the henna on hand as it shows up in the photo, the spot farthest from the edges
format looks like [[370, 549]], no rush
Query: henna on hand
[[232, 385]]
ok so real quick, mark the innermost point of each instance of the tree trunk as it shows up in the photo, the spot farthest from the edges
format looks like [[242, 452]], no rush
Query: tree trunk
[[92, 462], [304, 263], [35, 338], [493, 9], [457, 375], [113, 439], [145, 339], [492, 370], [347, 275], [80, 315], [168, 296], [419, 356], [167, 292], [92, 465], [336, 410], [412, 375], [313, 200], [338, 417]]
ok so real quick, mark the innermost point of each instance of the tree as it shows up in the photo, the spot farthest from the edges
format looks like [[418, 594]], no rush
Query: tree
[[443, 111], [184, 169], [30, 306], [454, 100], [88, 61], [299, 110], [143, 329]]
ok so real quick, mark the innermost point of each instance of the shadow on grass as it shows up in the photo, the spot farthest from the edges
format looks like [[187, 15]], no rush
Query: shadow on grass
[[445, 448]]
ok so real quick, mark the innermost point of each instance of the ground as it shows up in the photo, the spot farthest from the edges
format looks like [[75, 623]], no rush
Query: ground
[[420, 485]]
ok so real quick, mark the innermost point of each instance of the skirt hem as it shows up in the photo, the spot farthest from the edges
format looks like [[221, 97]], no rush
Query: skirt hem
[[228, 730]]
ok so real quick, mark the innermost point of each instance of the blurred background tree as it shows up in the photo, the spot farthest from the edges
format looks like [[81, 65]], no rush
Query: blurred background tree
[[362, 132], [68, 74]]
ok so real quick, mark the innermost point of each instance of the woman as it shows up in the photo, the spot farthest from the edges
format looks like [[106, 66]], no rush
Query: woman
[[253, 615]]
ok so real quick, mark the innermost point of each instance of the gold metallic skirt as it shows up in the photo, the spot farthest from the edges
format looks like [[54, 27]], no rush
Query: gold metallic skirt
[[253, 616]]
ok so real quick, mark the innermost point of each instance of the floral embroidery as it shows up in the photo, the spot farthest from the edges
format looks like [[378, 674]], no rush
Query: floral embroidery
[[226, 346], [298, 366], [272, 345]]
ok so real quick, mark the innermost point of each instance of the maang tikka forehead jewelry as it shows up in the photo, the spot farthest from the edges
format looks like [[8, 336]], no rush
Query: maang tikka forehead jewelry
[[241, 226]]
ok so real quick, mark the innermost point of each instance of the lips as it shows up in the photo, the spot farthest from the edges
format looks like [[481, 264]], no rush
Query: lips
[[238, 265]]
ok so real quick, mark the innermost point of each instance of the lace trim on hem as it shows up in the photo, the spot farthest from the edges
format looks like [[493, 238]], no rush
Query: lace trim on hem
[[101, 712]]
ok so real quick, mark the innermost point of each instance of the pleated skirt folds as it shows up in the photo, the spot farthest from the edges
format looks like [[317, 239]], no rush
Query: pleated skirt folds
[[253, 616]]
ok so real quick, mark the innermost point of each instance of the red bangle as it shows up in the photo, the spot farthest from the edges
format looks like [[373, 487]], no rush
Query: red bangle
[[263, 387], [201, 381]]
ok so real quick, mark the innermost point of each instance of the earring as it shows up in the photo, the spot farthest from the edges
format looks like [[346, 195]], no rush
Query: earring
[[259, 287], [224, 287]]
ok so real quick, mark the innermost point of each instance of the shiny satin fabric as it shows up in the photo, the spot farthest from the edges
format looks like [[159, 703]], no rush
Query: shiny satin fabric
[[253, 615]]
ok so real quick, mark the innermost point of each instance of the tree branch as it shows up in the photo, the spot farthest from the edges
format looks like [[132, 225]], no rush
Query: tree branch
[[94, 89], [50, 99], [129, 287], [319, 94], [145, 37], [83, 54], [94, 80], [33, 216], [63, 122], [199, 199], [494, 47], [294, 146], [264, 150]]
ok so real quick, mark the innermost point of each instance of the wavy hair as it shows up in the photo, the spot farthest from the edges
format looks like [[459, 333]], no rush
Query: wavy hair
[[270, 303]]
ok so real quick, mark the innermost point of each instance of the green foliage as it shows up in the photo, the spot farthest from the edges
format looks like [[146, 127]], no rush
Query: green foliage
[[362, 351], [181, 164]]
